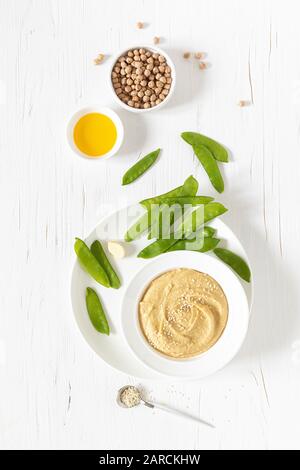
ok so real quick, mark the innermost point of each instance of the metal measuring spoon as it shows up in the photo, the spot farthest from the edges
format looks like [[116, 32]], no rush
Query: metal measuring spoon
[[159, 406]]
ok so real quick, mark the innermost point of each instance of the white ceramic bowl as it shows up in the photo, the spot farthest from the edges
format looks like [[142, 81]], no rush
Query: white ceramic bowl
[[227, 345], [173, 75], [102, 110]]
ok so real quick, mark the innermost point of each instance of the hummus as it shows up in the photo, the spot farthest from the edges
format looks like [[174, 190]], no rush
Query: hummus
[[183, 313]]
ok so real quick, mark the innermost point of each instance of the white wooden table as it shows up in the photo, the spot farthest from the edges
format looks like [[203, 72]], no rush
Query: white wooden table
[[55, 393]]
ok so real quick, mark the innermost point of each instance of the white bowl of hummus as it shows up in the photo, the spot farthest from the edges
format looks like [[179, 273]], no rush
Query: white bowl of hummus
[[185, 315]]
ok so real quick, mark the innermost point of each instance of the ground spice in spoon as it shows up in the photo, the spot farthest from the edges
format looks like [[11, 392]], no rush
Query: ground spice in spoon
[[130, 397]]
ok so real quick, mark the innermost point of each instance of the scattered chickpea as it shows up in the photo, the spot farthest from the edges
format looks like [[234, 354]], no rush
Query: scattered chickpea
[[243, 103], [99, 59], [140, 25], [156, 40], [199, 55], [202, 66], [186, 55]]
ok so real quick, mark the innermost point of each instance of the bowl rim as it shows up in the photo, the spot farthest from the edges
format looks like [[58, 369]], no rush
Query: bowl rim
[[164, 359], [173, 84], [101, 110]]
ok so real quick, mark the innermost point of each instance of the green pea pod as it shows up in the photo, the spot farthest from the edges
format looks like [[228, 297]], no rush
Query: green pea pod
[[100, 255], [207, 244], [181, 200], [190, 224], [235, 262], [210, 165], [194, 138], [90, 263], [207, 232], [140, 167], [189, 188], [138, 228], [96, 312]]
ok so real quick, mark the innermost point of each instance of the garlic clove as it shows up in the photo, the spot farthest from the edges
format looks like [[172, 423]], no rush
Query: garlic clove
[[116, 249]]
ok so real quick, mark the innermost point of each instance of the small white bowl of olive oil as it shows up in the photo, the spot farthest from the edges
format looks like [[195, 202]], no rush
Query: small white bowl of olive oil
[[95, 133]]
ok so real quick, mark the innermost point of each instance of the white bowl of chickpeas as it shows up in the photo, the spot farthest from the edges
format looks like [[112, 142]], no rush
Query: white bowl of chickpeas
[[142, 78]]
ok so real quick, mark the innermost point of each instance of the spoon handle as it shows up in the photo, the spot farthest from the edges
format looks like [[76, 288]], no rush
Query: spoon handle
[[182, 414]]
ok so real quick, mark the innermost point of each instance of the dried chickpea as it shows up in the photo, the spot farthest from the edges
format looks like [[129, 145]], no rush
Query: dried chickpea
[[156, 40], [141, 78], [99, 59], [202, 66]]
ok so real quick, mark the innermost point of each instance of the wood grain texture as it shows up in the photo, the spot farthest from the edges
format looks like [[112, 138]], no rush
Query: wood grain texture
[[55, 392]]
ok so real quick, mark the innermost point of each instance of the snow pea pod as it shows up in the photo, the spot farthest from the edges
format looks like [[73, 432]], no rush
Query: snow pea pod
[[207, 244], [189, 225], [96, 311], [235, 262], [210, 165], [140, 167], [189, 188], [90, 263], [100, 255], [181, 200], [138, 228], [194, 138]]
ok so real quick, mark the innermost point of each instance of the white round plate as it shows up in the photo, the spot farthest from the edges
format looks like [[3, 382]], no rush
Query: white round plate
[[227, 345], [113, 349]]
